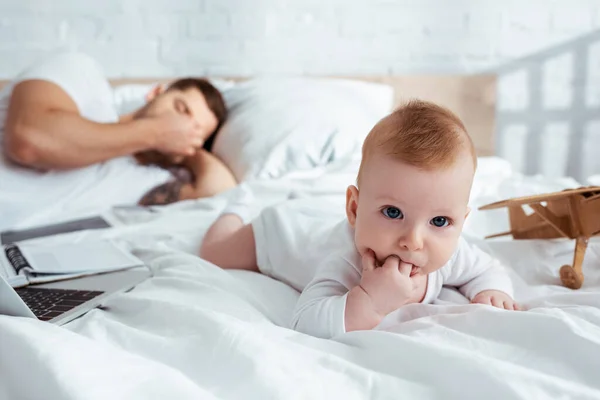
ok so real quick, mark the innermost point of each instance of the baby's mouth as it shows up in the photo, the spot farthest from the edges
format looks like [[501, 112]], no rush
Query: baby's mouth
[[414, 269]]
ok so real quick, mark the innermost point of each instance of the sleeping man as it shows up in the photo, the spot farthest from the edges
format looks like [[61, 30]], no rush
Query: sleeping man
[[63, 145]]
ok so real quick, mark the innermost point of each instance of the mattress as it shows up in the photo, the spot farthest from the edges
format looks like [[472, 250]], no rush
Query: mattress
[[194, 331]]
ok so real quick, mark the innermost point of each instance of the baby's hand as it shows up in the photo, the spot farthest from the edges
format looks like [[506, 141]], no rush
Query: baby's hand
[[389, 287], [496, 298]]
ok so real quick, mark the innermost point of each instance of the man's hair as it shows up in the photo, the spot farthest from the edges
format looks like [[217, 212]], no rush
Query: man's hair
[[421, 134], [214, 100]]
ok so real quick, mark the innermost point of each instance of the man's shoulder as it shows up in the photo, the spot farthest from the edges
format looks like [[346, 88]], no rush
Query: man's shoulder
[[61, 62], [59, 68], [82, 78]]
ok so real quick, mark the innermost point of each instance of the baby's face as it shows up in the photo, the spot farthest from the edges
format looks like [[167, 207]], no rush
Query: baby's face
[[414, 214]]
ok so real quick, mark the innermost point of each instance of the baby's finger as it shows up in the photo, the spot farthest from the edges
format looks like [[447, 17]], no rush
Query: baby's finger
[[368, 260], [391, 262], [496, 302], [482, 300], [405, 268]]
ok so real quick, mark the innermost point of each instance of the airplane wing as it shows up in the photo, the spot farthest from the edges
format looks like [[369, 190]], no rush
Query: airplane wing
[[540, 197]]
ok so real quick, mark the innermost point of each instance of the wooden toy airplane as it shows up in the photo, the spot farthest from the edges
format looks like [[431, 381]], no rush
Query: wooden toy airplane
[[571, 213]]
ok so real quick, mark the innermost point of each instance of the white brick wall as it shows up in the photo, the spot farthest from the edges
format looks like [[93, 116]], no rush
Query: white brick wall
[[151, 38], [305, 36]]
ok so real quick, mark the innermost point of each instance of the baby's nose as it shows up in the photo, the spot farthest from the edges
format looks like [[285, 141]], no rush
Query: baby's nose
[[411, 240]]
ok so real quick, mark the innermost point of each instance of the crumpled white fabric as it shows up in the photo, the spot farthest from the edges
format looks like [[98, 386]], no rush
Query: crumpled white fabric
[[196, 331]]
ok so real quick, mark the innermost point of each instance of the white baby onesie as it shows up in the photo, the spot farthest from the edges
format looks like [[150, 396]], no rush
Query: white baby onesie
[[306, 245]]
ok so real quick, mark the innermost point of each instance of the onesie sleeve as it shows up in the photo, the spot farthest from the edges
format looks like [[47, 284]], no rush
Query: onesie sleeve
[[474, 270], [322, 304]]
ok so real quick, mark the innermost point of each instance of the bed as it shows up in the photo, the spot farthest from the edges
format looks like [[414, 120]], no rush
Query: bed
[[194, 331]]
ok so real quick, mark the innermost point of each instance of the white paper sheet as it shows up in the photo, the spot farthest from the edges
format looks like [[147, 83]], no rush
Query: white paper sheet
[[86, 256]]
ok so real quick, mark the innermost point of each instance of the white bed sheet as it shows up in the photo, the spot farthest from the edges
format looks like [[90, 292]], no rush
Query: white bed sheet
[[195, 331]]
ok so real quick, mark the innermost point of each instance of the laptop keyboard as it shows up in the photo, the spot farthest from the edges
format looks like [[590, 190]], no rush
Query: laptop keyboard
[[48, 303]]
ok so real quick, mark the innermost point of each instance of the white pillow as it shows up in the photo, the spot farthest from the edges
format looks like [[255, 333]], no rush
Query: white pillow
[[130, 97], [282, 125]]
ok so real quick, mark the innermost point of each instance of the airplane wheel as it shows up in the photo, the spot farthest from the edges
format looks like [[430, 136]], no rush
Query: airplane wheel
[[570, 278]]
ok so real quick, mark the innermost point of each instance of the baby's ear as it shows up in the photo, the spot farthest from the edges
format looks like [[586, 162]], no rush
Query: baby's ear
[[351, 204]]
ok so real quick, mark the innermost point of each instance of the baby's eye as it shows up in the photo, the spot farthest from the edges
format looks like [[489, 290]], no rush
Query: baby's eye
[[440, 222], [392, 212]]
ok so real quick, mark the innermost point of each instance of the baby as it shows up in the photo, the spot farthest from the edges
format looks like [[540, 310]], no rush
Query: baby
[[399, 243]]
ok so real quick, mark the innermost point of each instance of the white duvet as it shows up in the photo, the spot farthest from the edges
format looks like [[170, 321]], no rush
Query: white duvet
[[194, 331]]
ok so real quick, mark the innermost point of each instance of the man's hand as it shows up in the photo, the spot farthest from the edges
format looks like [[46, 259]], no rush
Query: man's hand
[[178, 134], [496, 298]]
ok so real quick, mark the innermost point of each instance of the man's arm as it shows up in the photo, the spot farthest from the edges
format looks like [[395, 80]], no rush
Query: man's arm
[[44, 130], [210, 177]]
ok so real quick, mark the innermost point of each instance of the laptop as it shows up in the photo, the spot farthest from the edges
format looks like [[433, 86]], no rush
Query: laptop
[[63, 301]]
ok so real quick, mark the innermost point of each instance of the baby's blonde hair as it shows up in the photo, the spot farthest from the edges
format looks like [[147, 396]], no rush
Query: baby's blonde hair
[[419, 133]]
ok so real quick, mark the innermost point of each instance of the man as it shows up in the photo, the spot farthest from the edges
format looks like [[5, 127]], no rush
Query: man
[[65, 149]]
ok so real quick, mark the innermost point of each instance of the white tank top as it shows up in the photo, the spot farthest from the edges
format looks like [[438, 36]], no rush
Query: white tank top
[[29, 197]]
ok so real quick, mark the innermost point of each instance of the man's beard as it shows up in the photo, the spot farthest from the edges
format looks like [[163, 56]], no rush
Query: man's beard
[[153, 157]]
